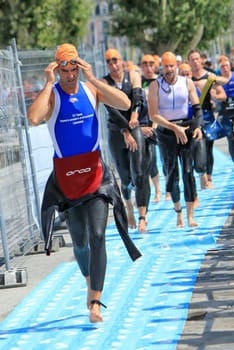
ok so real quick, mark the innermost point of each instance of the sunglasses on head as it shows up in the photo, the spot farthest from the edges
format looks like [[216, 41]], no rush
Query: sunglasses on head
[[65, 63], [112, 60]]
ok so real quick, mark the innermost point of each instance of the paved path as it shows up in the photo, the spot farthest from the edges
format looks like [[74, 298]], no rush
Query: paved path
[[210, 320], [147, 300]]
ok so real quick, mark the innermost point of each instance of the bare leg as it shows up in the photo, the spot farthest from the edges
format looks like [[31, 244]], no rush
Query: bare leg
[[180, 217], [196, 202], [167, 196], [130, 213], [88, 291], [190, 209], [203, 181], [210, 184], [142, 220], [155, 181]]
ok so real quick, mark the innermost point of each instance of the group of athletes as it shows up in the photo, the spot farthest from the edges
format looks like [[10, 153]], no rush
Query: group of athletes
[[146, 106], [179, 100]]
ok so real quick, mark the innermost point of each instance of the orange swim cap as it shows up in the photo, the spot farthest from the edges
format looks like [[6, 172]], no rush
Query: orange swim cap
[[66, 52], [185, 66], [185, 70], [223, 59], [168, 58], [112, 53], [147, 58]]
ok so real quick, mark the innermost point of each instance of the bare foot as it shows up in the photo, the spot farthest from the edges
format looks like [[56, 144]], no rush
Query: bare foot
[[167, 196], [157, 197], [142, 225], [94, 315], [192, 223], [131, 220], [196, 202], [180, 220], [210, 184], [203, 181]]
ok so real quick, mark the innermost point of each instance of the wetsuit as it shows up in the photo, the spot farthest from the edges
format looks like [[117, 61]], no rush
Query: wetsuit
[[145, 121], [227, 110], [204, 148], [173, 106], [81, 185], [198, 147], [133, 167]]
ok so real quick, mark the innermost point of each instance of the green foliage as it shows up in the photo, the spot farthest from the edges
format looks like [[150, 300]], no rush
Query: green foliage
[[177, 25], [44, 24]]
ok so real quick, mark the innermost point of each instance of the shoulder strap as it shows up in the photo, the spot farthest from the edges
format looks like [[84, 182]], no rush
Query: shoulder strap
[[109, 80], [126, 80]]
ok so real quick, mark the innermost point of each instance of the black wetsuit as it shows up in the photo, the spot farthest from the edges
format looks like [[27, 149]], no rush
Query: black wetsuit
[[133, 167], [203, 150], [81, 185], [145, 121], [227, 111]]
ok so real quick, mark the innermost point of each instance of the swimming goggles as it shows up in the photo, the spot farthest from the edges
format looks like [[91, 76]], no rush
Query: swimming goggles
[[65, 63], [112, 60], [148, 63]]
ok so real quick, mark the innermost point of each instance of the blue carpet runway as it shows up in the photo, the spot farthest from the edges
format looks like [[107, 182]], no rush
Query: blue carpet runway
[[147, 300]]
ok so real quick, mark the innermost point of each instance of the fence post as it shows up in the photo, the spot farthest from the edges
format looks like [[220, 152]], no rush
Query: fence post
[[4, 238], [28, 141]]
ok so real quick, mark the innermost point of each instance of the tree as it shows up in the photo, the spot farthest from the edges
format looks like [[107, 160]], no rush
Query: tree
[[156, 26], [43, 24]]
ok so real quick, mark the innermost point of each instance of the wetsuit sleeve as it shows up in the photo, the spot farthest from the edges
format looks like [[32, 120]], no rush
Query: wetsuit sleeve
[[197, 115], [137, 100], [117, 117]]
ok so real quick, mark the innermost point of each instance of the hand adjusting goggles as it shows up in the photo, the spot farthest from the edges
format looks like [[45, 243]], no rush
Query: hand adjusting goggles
[[64, 63]]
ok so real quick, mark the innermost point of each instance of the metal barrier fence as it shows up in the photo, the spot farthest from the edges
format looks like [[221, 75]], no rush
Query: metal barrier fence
[[26, 154], [16, 219]]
